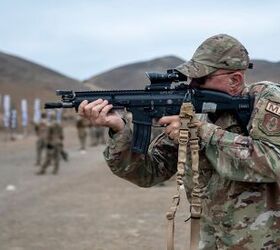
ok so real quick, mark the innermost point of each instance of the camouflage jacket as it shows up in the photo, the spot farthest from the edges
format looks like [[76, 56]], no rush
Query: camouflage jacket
[[82, 125], [41, 129], [240, 174], [55, 134]]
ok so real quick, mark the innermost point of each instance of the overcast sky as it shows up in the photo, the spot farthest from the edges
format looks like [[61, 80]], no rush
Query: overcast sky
[[81, 38]]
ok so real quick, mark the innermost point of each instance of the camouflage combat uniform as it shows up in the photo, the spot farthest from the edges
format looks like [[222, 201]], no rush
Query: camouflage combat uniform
[[41, 133], [240, 174], [54, 147], [97, 135], [82, 125]]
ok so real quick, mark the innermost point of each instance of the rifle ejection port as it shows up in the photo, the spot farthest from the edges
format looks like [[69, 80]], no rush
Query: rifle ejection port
[[209, 107]]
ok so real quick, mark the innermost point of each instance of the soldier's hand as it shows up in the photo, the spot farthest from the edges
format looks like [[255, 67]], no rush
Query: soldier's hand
[[172, 126], [100, 113]]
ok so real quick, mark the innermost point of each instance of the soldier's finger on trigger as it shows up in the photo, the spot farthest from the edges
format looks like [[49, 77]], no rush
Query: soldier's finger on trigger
[[167, 120], [176, 124], [162, 121], [168, 130]]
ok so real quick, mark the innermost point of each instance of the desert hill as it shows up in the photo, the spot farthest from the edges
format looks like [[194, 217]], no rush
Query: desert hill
[[21, 78], [132, 76], [264, 71]]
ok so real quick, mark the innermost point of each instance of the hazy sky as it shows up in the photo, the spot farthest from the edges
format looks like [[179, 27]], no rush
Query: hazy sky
[[81, 38]]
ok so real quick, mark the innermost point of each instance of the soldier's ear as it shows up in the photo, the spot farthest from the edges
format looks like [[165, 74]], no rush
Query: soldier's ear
[[237, 78], [236, 83]]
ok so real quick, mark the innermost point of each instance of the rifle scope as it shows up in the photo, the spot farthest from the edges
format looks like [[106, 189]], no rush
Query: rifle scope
[[172, 75]]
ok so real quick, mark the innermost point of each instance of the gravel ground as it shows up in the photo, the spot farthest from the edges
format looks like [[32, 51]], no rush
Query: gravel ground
[[83, 207]]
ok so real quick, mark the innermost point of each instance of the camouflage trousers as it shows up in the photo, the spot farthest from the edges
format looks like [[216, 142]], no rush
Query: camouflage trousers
[[52, 156], [40, 146], [83, 139], [220, 235], [97, 136]]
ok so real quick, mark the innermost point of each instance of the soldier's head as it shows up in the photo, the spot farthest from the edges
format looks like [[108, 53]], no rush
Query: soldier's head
[[218, 63]]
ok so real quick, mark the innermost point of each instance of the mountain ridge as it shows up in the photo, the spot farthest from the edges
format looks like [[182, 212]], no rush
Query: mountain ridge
[[133, 75], [24, 79]]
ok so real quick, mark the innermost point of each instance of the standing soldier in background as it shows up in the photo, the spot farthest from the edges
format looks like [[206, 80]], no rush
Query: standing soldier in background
[[41, 133], [82, 125], [97, 135], [54, 146]]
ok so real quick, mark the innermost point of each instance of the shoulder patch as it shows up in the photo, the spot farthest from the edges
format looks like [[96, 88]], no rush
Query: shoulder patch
[[270, 124], [273, 107], [265, 123]]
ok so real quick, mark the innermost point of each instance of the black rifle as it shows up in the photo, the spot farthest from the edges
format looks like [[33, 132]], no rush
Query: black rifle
[[161, 98]]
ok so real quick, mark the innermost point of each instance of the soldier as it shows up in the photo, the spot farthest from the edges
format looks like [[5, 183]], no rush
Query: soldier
[[41, 133], [97, 135], [54, 145], [82, 125], [239, 174]]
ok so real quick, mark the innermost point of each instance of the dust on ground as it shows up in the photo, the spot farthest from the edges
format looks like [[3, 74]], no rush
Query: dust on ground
[[84, 207]]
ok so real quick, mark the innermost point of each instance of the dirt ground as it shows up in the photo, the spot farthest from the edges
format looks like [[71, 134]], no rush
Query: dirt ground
[[84, 207]]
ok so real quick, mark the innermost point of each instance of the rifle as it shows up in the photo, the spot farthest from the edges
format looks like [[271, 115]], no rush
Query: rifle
[[163, 97]]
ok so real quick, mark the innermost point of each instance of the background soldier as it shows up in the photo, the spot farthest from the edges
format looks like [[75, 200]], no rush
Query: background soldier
[[82, 126], [41, 133], [97, 135], [54, 146]]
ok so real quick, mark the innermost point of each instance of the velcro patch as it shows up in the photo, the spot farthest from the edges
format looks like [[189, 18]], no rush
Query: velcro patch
[[273, 107], [271, 124]]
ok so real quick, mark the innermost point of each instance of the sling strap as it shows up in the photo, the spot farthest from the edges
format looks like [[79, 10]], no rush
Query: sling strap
[[187, 137]]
